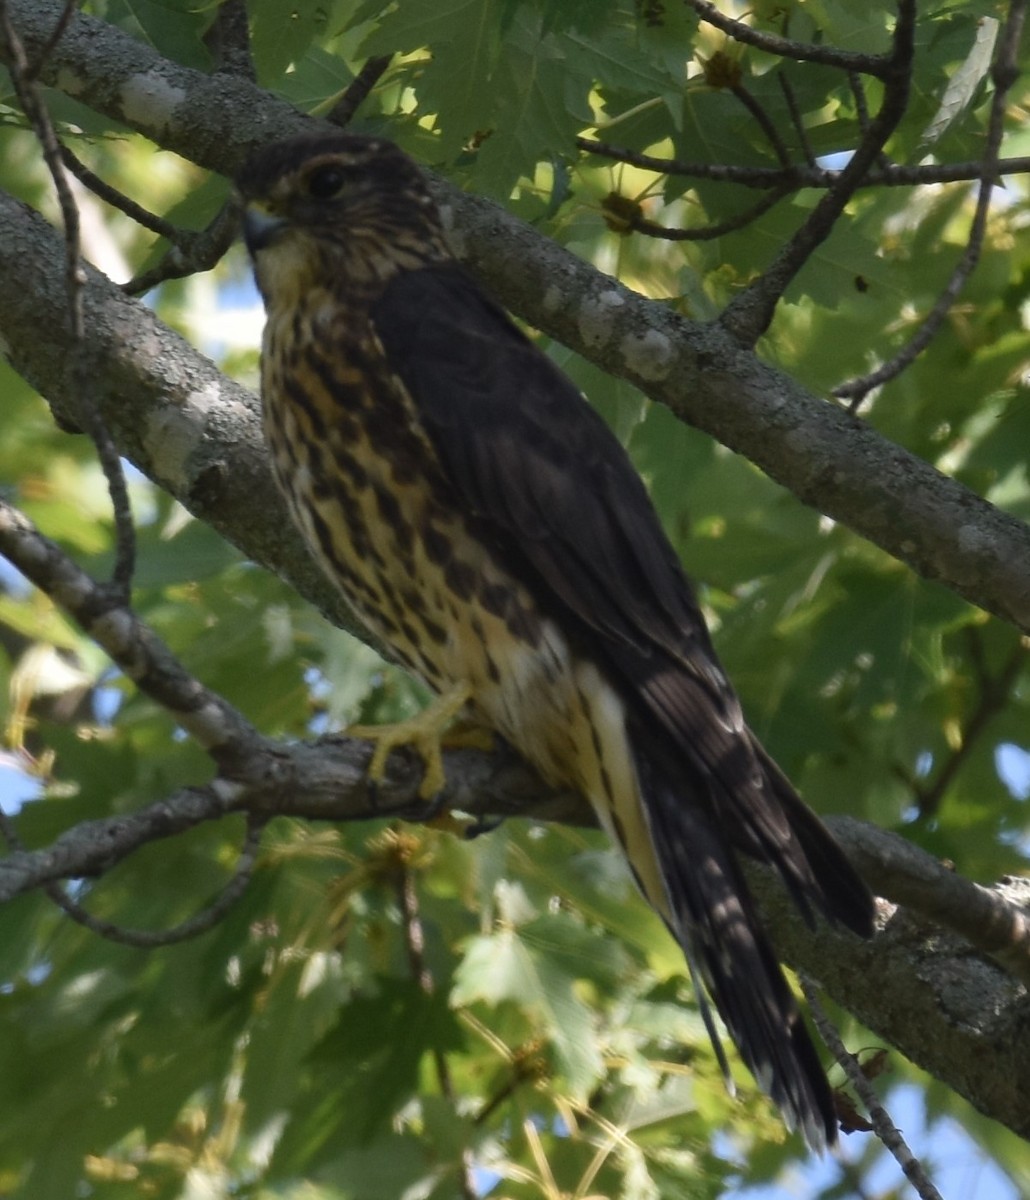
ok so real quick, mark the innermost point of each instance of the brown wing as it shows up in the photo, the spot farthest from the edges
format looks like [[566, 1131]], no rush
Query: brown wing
[[528, 454]]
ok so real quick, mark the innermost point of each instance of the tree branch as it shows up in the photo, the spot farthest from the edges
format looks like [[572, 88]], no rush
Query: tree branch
[[254, 764], [884, 1126], [796, 177], [957, 1015], [1004, 73], [327, 780], [213, 723], [358, 90], [228, 39], [399, 852], [24, 78], [952, 1012], [902, 873], [995, 694], [623, 213], [848, 60], [748, 316], [191, 252], [149, 939], [197, 434], [125, 204], [826, 457]]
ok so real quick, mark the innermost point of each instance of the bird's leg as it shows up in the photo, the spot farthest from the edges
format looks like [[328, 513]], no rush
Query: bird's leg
[[425, 734]]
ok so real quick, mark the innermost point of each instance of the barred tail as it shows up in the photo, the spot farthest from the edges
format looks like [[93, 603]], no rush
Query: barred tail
[[712, 914]]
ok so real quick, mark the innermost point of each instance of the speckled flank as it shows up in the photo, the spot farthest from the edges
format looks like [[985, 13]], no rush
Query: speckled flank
[[363, 486]]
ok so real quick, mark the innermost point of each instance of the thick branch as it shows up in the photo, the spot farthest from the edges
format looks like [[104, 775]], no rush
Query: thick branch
[[198, 435], [942, 530], [327, 779], [192, 430], [254, 768], [955, 1014], [951, 1011], [827, 458]]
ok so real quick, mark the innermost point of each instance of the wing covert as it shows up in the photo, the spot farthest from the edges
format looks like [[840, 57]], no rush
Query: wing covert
[[528, 454]]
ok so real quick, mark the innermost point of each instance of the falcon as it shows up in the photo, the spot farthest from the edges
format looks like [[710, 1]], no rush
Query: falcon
[[489, 529]]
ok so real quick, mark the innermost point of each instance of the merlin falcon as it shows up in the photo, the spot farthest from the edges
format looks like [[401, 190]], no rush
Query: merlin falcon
[[487, 526]]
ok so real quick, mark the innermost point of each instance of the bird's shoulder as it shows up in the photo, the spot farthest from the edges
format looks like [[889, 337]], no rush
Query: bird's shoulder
[[527, 452]]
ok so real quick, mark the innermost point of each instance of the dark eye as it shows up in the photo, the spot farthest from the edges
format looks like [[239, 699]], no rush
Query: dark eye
[[325, 182]]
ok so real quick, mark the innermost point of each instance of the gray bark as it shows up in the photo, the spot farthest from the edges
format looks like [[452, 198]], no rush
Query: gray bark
[[828, 459]]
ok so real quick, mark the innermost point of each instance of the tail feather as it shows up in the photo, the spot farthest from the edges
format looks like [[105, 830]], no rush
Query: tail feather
[[831, 880], [711, 912]]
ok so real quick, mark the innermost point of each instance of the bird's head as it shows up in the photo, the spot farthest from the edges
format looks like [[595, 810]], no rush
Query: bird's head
[[335, 210]]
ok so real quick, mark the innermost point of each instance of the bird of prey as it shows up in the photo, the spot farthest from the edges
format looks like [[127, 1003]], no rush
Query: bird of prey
[[491, 531]]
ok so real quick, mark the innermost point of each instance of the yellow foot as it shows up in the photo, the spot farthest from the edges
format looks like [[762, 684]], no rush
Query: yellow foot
[[424, 733]]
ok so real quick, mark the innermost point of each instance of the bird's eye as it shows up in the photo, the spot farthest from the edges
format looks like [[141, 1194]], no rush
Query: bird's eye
[[325, 182]]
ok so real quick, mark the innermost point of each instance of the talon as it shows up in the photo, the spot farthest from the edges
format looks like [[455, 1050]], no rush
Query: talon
[[482, 825], [425, 813], [372, 792], [424, 733]]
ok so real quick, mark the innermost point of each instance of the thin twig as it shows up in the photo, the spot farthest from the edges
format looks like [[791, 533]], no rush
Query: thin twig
[[848, 60], [862, 113], [995, 693], [885, 1128], [23, 79], [503, 1093], [764, 122], [1004, 73], [358, 89], [192, 252], [704, 233], [754, 177], [147, 939], [111, 195], [891, 175], [415, 943], [749, 314], [795, 117], [201, 922]]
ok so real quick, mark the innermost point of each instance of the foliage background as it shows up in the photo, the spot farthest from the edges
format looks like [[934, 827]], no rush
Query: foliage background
[[294, 1051]]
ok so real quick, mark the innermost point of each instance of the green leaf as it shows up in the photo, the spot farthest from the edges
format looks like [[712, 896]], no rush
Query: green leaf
[[966, 81], [360, 1072], [172, 27], [524, 969]]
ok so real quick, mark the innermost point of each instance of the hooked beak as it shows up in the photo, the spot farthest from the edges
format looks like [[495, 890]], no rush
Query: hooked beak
[[260, 228]]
